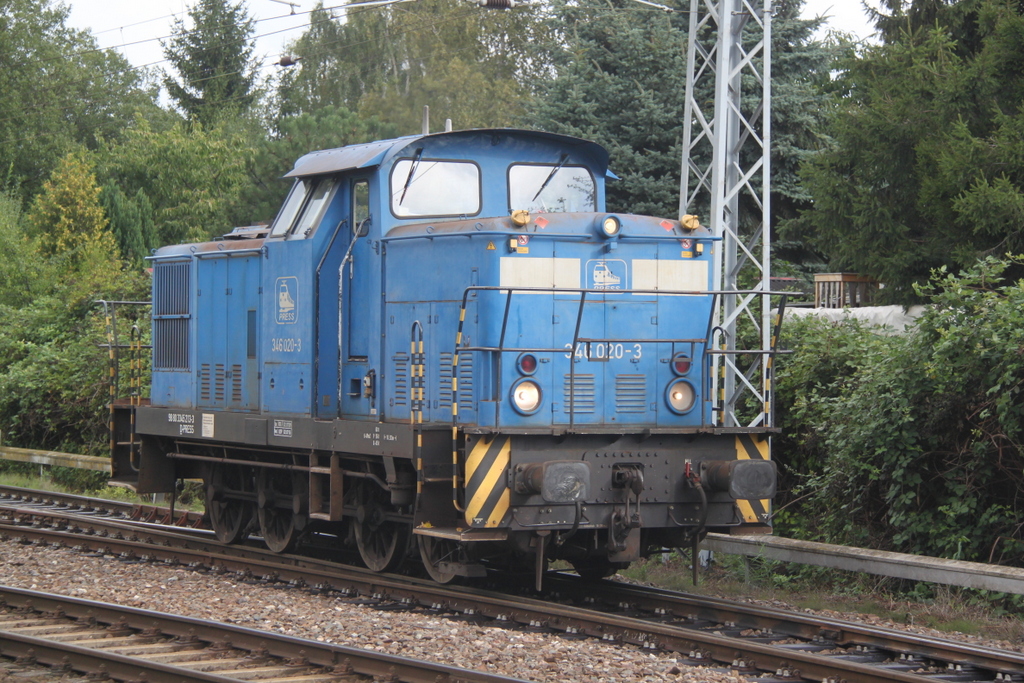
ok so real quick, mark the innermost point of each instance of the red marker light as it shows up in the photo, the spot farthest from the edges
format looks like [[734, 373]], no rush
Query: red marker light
[[527, 364]]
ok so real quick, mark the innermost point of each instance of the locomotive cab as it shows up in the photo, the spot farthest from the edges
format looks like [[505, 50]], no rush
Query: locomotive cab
[[444, 347]]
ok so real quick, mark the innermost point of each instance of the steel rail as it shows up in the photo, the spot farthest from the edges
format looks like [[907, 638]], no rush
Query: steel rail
[[136, 511], [341, 660], [703, 647], [65, 656], [797, 624]]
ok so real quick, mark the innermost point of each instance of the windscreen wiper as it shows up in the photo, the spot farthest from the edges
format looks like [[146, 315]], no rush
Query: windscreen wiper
[[412, 172], [561, 163]]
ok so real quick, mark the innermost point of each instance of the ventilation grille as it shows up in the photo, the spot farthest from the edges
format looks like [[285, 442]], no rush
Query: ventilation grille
[[401, 373], [204, 382], [212, 380], [218, 383], [445, 388], [170, 288], [170, 344], [465, 380], [236, 383], [581, 398], [630, 393], [171, 316]]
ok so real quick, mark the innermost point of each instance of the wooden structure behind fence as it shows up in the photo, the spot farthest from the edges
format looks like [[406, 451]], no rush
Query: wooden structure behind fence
[[843, 290]]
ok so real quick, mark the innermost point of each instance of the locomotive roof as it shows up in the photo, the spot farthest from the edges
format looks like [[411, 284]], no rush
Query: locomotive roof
[[375, 153]]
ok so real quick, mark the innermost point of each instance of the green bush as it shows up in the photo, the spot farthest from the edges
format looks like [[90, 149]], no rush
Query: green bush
[[53, 372], [910, 442]]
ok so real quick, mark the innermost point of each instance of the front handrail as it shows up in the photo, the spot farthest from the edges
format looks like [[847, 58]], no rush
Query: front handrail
[[577, 341]]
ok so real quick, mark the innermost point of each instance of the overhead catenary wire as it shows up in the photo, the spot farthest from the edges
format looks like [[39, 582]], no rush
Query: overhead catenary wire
[[371, 4], [267, 62], [43, 135]]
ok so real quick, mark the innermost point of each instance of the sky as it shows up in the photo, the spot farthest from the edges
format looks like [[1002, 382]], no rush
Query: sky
[[845, 15], [135, 27]]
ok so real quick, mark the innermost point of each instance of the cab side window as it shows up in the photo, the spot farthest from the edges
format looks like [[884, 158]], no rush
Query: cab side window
[[360, 204], [304, 208], [290, 208]]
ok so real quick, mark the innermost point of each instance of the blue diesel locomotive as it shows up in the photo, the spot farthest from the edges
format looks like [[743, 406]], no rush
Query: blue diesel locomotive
[[443, 346]]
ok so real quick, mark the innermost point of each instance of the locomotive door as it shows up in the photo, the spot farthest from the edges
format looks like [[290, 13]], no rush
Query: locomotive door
[[580, 381], [360, 390], [607, 381], [228, 305]]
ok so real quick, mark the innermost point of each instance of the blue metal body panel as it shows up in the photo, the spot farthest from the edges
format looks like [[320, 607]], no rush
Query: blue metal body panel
[[332, 339], [352, 335]]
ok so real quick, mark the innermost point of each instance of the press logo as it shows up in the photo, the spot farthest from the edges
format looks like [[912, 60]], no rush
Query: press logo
[[606, 274], [287, 293]]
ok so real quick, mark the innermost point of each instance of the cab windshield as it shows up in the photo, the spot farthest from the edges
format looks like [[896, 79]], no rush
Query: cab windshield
[[428, 187], [551, 188]]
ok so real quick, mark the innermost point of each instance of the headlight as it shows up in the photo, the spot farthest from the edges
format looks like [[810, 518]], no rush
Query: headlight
[[680, 396], [526, 396], [610, 226]]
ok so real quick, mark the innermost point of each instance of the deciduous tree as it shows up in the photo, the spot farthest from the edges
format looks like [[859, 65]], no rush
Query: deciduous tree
[[193, 177], [469, 64], [58, 91]]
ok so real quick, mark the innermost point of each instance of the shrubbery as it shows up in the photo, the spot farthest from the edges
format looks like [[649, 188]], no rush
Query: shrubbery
[[53, 373], [912, 442]]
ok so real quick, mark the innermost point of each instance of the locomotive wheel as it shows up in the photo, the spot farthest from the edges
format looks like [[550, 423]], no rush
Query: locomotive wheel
[[280, 526], [439, 555], [381, 543], [594, 568], [229, 518]]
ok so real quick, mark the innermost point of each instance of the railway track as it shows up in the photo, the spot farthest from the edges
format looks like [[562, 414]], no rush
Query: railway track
[[775, 644], [155, 514], [127, 644]]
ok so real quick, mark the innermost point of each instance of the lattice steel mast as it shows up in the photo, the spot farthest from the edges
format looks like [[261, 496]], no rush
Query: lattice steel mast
[[725, 176]]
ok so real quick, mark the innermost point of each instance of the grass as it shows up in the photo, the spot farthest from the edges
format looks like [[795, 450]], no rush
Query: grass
[[189, 499], [948, 609]]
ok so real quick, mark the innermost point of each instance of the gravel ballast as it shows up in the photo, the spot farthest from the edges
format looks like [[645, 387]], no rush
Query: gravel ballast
[[523, 654]]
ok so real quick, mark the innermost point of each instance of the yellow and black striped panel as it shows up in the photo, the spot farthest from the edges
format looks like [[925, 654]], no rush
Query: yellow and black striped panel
[[487, 494], [752, 447]]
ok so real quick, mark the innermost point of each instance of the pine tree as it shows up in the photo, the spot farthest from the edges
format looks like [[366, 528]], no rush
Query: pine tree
[[620, 79], [927, 166], [67, 216], [131, 221], [214, 61]]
